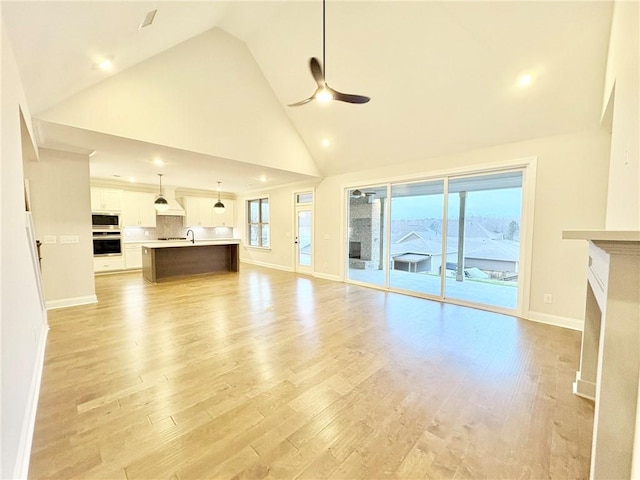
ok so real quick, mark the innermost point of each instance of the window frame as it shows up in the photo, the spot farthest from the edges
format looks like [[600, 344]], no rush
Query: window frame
[[260, 224]]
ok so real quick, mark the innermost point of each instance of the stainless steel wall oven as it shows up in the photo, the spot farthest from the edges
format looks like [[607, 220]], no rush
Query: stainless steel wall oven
[[107, 243]]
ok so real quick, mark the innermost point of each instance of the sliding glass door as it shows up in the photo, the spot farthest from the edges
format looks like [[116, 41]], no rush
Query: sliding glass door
[[483, 229], [456, 237], [415, 245], [366, 237]]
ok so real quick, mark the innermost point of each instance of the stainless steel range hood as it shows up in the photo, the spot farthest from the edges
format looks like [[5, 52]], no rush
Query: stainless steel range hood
[[175, 209]]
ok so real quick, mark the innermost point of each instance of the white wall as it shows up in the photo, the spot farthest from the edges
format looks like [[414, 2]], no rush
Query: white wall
[[206, 95], [23, 321], [570, 193], [280, 254], [623, 78], [61, 206]]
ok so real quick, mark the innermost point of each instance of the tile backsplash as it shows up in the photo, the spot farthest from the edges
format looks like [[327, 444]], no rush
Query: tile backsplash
[[170, 226]]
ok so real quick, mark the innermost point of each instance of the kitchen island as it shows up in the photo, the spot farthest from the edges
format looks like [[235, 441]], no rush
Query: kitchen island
[[167, 260]]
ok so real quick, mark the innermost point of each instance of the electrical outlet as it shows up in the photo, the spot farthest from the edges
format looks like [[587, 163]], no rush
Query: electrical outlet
[[146, 233], [548, 298]]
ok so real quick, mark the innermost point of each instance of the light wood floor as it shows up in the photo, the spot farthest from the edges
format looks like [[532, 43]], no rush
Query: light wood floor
[[268, 374]]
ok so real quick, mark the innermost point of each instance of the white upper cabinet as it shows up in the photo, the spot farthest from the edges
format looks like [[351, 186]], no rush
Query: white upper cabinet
[[106, 200], [198, 211], [226, 218], [137, 209]]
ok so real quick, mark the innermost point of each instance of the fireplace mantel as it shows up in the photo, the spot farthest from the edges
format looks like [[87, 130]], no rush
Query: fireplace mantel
[[610, 355]]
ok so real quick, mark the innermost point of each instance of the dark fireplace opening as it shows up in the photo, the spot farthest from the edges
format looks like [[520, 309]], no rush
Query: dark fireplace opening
[[355, 249]]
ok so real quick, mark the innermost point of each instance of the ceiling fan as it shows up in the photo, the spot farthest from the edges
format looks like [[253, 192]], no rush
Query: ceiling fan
[[324, 93], [360, 194]]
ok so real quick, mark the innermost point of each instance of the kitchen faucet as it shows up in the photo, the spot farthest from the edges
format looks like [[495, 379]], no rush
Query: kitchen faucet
[[193, 236]]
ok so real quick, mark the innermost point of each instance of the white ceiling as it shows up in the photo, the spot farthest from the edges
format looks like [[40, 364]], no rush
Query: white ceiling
[[442, 75]]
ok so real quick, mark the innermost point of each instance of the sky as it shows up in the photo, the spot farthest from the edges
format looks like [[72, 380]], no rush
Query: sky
[[487, 203]]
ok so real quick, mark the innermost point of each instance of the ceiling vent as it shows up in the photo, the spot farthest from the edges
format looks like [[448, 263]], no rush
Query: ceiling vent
[[148, 19]]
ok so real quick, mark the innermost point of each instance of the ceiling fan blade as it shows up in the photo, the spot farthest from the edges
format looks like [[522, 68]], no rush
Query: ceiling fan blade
[[347, 97], [302, 102], [316, 71]]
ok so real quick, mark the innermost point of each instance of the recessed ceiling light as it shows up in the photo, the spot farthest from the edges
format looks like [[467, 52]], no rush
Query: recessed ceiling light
[[93, 152], [158, 162], [105, 64], [263, 178], [326, 142], [525, 80], [132, 179]]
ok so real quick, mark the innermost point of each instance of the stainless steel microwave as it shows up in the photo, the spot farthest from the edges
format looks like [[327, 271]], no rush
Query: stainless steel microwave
[[105, 221]]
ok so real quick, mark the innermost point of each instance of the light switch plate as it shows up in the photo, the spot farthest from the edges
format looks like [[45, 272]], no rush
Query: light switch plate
[[49, 239], [69, 239]]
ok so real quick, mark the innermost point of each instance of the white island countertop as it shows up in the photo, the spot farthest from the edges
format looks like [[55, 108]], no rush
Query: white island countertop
[[188, 243]]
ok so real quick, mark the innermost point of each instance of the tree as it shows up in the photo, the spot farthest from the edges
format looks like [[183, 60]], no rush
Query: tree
[[513, 229]]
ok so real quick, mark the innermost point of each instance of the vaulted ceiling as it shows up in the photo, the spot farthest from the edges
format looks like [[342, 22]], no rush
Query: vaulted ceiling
[[206, 86]]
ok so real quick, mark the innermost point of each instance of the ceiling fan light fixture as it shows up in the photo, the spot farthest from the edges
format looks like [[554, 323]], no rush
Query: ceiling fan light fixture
[[323, 95]]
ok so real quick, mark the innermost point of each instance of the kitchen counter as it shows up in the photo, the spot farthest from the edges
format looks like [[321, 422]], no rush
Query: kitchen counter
[[167, 259], [154, 241], [188, 243]]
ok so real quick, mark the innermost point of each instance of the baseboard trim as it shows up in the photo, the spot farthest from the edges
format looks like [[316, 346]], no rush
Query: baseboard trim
[[21, 469], [71, 302], [584, 388], [546, 318], [556, 320], [327, 276], [267, 265]]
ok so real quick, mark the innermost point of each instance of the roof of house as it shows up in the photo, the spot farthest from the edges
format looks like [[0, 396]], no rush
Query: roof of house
[[428, 242]]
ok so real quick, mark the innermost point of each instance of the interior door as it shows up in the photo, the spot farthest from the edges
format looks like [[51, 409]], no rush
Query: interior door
[[304, 239]]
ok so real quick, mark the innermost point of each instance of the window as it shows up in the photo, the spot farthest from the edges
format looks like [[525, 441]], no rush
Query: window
[[304, 198], [258, 214]]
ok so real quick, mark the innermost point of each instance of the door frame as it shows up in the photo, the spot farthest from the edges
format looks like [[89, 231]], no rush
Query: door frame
[[303, 207], [529, 169]]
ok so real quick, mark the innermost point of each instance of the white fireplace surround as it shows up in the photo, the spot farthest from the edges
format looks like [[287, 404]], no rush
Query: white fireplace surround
[[610, 355]]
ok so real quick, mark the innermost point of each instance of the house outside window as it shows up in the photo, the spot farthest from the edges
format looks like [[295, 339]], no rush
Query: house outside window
[[258, 227]]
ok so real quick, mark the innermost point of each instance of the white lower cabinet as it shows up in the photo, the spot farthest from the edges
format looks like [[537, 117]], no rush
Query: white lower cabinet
[[106, 264], [132, 256]]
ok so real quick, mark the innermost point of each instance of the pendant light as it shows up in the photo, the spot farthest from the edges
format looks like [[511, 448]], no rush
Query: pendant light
[[161, 204], [219, 206]]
